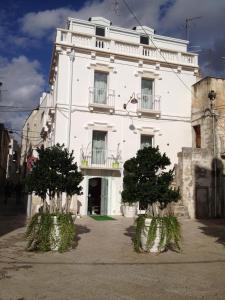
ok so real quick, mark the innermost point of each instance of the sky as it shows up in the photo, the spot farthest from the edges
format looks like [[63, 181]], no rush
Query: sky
[[27, 31]]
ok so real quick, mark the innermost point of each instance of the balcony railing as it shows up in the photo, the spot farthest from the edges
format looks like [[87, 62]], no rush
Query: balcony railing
[[99, 159], [101, 98], [148, 103], [126, 48]]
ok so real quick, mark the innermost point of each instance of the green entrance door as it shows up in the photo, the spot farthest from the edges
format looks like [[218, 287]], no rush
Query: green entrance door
[[104, 196]]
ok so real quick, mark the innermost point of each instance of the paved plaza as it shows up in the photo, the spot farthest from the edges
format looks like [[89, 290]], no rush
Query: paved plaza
[[104, 266]]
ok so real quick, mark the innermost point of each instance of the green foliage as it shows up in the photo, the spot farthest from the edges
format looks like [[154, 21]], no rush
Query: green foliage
[[146, 181], [169, 232], [54, 172], [40, 232]]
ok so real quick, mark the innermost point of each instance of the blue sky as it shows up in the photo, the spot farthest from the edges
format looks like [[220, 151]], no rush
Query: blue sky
[[27, 31]]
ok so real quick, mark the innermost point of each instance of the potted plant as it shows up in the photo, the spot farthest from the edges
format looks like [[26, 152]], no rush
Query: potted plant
[[54, 173], [157, 229], [116, 158], [84, 156], [129, 193]]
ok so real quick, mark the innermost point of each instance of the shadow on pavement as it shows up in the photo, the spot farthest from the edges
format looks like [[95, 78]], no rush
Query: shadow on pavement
[[214, 228], [10, 223], [80, 229]]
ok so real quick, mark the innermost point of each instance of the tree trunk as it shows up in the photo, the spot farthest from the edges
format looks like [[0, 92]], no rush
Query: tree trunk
[[45, 206], [68, 202], [51, 204], [59, 202]]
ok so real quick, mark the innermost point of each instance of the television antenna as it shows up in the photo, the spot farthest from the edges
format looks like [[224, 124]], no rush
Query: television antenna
[[187, 25]]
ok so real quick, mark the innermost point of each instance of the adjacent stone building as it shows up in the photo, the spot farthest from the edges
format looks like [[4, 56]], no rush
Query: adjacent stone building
[[200, 173]]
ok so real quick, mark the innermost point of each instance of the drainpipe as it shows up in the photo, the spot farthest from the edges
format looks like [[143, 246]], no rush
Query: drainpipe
[[212, 97], [72, 58]]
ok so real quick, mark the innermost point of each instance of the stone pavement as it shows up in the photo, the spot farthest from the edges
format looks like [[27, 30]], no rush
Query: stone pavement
[[104, 265]]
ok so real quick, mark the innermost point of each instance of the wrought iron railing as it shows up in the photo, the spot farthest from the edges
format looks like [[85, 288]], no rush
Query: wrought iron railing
[[101, 97], [99, 158], [148, 102]]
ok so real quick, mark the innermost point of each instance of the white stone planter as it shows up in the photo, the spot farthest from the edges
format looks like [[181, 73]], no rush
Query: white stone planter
[[144, 235], [129, 211], [55, 235]]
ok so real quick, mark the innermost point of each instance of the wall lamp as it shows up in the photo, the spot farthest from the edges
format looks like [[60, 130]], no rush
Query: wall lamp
[[132, 100], [212, 95]]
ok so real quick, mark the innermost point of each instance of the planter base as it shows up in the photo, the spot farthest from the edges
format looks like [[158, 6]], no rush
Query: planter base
[[144, 235], [129, 211]]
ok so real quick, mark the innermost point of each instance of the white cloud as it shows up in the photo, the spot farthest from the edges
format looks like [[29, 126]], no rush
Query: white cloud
[[38, 24], [22, 84]]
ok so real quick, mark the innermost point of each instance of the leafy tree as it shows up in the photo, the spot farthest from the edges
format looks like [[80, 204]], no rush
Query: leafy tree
[[146, 180], [55, 172]]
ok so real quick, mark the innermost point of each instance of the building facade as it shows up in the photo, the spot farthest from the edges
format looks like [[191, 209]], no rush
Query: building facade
[[36, 132], [201, 167], [115, 90]]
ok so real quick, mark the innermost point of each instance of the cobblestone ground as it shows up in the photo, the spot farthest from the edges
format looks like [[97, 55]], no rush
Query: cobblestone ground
[[104, 265]]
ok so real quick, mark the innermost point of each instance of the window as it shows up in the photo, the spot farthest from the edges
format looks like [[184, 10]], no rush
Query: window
[[144, 40], [197, 130], [99, 147], [100, 31], [147, 93], [100, 87], [146, 141]]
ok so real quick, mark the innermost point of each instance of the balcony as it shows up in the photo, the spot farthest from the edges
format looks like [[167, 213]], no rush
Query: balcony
[[113, 46], [148, 105], [99, 159], [101, 99]]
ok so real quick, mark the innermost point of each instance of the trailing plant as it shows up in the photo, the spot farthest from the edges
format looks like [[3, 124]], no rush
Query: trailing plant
[[169, 232], [40, 232]]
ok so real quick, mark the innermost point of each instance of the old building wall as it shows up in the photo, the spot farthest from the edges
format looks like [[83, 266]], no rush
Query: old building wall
[[202, 166]]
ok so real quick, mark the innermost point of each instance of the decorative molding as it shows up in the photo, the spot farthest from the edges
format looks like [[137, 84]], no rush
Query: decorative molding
[[101, 126], [179, 69], [101, 67], [140, 63], [112, 58], [157, 66], [93, 54], [147, 73]]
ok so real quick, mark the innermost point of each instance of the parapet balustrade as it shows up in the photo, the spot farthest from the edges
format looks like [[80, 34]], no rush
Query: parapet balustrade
[[125, 48]]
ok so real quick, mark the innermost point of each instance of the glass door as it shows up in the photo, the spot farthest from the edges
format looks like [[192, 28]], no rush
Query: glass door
[[146, 93], [100, 87], [99, 148]]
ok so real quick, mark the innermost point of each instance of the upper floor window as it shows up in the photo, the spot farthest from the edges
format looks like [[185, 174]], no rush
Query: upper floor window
[[100, 31], [197, 130], [146, 141], [100, 87], [144, 40], [147, 93]]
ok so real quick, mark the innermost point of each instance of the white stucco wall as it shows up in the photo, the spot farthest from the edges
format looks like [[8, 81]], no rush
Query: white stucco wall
[[171, 130]]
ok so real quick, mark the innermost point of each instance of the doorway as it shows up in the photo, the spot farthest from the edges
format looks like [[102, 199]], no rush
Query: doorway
[[97, 196], [202, 203]]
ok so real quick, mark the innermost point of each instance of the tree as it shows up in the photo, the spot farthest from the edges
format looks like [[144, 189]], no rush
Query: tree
[[146, 180], [54, 173]]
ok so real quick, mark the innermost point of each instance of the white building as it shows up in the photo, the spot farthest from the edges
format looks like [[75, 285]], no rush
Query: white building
[[97, 68], [36, 131]]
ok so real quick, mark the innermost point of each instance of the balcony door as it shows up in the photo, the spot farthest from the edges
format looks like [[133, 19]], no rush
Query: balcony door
[[100, 87], [146, 141], [146, 93], [99, 147]]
